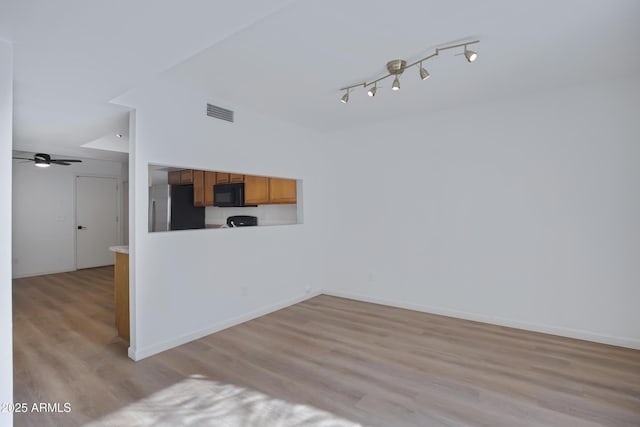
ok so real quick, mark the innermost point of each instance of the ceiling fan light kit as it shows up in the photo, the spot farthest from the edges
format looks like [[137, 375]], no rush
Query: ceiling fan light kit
[[396, 67], [43, 160]]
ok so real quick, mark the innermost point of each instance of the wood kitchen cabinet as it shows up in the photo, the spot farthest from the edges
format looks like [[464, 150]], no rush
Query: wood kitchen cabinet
[[209, 182], [121, 294], [202, 182], [236, 178], [222, 178], [256, 190], [186, 176], [183, 177], [198, 188], [228, 178], [282, 190], [174, 178], [261, 190]]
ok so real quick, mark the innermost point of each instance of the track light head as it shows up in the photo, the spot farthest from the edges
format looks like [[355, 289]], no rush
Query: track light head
[[396, 84], [470, 55], [345, 97], [372, 92], [424, 74]]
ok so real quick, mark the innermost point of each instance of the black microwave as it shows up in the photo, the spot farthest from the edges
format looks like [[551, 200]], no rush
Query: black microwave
[[228, 195]]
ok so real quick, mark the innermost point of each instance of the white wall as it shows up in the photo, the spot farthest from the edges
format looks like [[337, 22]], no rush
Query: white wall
[[44, 214], [124, 196], [6, 135], [188, 284], [522, 212]]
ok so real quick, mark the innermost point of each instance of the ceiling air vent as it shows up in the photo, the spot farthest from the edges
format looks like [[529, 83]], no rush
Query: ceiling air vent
[[219, 113]]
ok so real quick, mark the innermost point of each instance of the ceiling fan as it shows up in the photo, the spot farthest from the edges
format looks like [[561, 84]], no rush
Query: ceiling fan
[[44, 160]]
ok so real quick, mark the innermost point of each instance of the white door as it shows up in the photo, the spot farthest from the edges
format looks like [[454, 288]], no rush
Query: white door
[[96, 220]]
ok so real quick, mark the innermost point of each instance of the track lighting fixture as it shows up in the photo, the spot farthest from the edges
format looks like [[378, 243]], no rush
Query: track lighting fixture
[[424, 74], [345, 97], [396, 67], [396, 84], [469, 54]]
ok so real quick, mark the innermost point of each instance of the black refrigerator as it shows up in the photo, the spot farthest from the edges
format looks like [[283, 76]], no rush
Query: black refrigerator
[[184, 216]]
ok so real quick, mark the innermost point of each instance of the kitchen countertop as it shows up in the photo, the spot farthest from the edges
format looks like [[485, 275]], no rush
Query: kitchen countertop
[[260, 224], [123, 249]]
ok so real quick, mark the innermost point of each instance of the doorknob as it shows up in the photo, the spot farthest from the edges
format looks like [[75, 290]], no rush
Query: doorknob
[[80, 227]]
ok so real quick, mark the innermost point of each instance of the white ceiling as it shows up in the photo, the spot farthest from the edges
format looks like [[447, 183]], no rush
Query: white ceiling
[[292, 63], [72, 56], [289, 58]]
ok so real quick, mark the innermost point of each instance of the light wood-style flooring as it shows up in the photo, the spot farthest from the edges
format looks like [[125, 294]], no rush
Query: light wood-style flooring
[[367, 363]]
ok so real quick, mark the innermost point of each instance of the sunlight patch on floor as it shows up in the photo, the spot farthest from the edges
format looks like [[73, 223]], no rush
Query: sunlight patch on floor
[[197, 401]]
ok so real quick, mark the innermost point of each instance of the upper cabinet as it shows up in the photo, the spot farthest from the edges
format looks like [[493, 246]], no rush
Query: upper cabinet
[[262, 190], [182, 177], [186, 176], [256, 190], [236, 177], [282, 190], [198, 188], [174, 178], [202, 193], [229, 178], [209, 182], [222, 178]]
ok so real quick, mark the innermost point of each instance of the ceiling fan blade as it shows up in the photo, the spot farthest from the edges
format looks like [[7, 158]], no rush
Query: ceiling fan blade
[[59, 162], [23, 158], [66, 160]]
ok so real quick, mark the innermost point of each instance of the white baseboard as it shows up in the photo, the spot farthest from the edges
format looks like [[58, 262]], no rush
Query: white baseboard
[[42, 273], [139, 354], [494, 320]]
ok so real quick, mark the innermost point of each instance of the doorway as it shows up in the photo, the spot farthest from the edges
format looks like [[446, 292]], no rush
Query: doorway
[[96, 220]]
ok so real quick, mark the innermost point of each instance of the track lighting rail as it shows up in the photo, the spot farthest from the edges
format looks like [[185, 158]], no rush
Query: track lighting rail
[[397, 67]]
